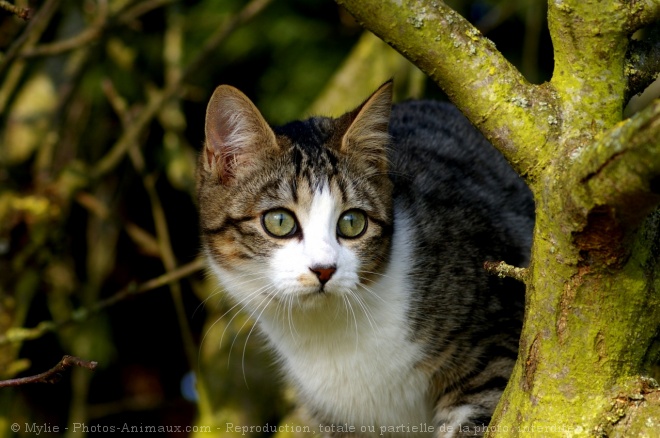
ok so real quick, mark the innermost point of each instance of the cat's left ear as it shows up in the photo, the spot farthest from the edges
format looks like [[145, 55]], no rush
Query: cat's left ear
[[236, 134], [367, 134]]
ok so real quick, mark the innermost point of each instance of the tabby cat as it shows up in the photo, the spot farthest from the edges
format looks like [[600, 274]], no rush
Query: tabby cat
[[358, 245]]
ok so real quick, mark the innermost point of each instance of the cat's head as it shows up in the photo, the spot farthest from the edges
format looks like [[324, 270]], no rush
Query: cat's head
[[295, 212]]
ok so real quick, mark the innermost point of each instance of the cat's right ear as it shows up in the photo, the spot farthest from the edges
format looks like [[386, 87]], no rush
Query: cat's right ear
[[367, 134], [236, 134]]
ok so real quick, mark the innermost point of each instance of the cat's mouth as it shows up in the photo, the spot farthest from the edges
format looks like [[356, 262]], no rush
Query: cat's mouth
[[305, 295], [322, 294], [304, 300], [313, 294]]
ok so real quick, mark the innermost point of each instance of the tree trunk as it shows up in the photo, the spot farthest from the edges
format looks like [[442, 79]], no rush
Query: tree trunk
[[592, 314]]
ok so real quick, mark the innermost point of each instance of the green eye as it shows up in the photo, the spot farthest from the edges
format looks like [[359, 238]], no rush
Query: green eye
[[352, 223], [279, 223]]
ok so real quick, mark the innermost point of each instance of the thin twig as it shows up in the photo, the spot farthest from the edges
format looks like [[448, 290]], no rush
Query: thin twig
[[163, 241], [83, 38], [12, 72], [134, 11], [20, 334], [502, 269], [169, 261], [31, 33], [94, 32], [22, 13], [154, 105], [53, 375], [163, 280]]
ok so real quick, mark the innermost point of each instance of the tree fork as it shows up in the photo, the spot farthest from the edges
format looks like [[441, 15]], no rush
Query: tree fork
[[592, 308]]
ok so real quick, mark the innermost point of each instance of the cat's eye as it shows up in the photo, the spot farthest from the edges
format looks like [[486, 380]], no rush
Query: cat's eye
[[352, 224], [279, 223]]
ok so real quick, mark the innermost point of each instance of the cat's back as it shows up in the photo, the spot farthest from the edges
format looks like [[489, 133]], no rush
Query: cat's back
[[463, 204], [450, 179]]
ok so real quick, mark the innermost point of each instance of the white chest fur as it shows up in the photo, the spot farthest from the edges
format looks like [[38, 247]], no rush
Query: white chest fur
[[361, 380]]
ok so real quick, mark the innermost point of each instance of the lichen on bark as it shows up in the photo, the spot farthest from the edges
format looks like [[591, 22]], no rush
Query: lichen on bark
[[592, 315]]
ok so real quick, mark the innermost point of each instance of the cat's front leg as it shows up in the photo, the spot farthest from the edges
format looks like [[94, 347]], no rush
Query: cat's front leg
[[462, 421], [323, 428]]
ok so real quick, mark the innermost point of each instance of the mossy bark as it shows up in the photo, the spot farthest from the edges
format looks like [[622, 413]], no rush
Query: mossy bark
[[593, 303]]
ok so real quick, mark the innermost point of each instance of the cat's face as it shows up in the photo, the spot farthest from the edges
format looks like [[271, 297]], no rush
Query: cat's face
[[300, 212]]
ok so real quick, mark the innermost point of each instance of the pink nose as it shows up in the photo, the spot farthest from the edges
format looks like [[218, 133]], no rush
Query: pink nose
[[324, 273]]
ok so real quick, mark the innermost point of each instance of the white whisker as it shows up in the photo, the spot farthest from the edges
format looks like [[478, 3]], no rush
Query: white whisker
[[244, 301], [247, 338], [365, 308], [357, 333], [371, 292], [292, 325], [258, 292]]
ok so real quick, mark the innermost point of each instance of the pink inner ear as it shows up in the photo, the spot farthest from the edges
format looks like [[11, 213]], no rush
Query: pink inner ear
[[217, 143], [235, 133], [223, 161], [368, 134], [209, 156]]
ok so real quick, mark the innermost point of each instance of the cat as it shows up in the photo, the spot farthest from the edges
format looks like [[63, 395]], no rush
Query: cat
[[358, 243]]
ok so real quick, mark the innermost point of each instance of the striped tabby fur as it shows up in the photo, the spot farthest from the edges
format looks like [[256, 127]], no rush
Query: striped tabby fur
[[397, 331]]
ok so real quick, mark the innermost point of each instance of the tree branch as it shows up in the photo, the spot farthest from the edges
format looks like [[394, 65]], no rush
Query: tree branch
[[10, 72], [622, 170], [31, 33], [515, 116], [589, 53], [502, 269], [642, 14], [22, 13], [53, 375], [102, 23], [132, 132], [20, 334], [83, 38], [367, 67]]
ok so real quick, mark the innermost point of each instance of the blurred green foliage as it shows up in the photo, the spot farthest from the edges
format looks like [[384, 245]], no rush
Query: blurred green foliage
[[101, 116]]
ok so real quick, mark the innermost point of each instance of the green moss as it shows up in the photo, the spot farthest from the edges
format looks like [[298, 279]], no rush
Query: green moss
[[590, 309]]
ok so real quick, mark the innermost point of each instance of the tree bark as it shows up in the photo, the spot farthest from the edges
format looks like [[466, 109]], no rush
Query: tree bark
[[592, 318]]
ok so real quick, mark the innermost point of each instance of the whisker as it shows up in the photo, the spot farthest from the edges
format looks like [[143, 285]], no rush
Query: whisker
[[357, 333], [218, 291], [247, 338], [233, 284], [380, 274], [292, 326], [244, 301], [371, 292], [231, 347], [367, 312]]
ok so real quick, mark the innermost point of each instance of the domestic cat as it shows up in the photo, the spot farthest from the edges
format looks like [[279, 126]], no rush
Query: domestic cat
[[358, 244]]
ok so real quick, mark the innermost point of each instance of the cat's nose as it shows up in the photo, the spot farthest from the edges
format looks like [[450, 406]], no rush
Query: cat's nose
[[324, 273]]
